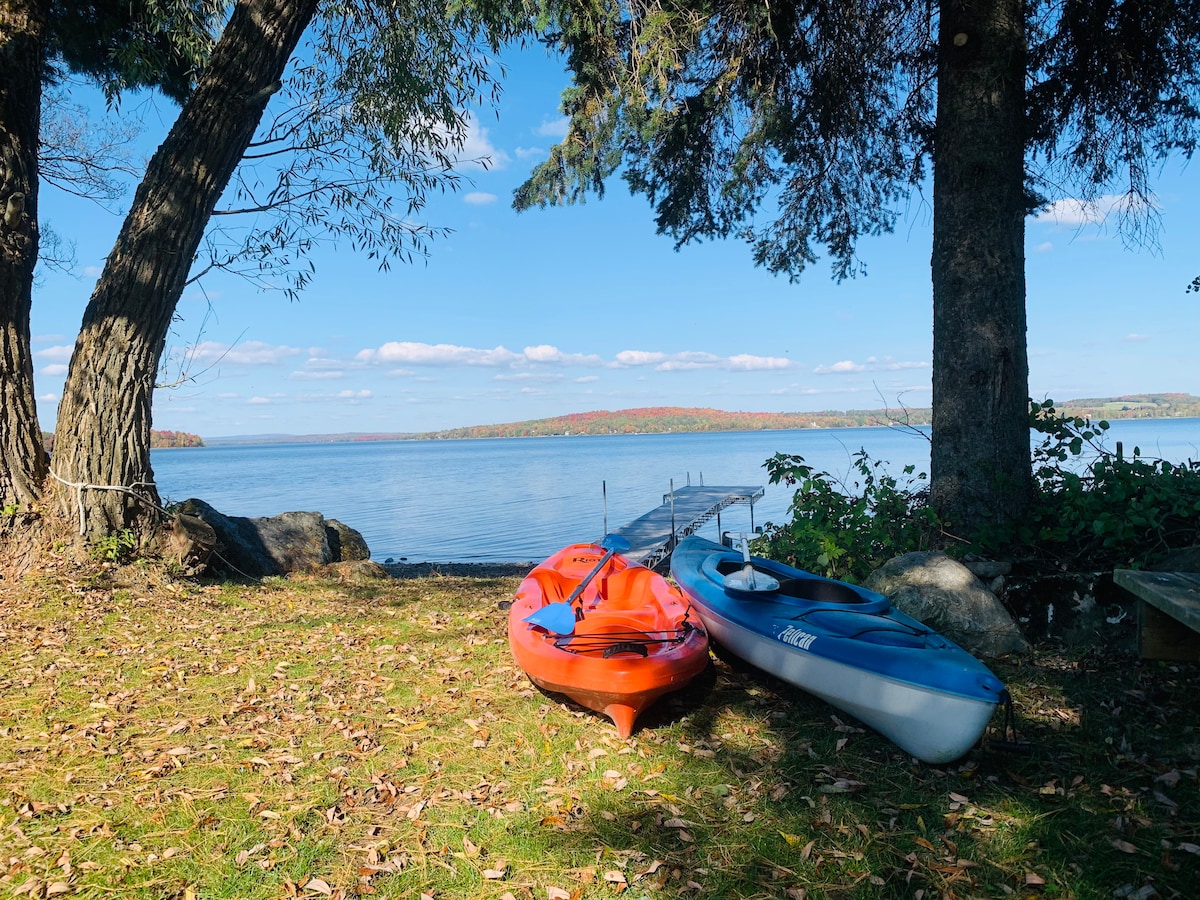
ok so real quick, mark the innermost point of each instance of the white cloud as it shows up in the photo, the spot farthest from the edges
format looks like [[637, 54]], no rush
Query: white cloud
[[544, 353], [584, 379], [479, 198], [251, 353], [1137, 338], [354, 395], [56, 369], [61, 353], [47, 398], [873, 364], [846, 365], [524, 153], [555, 128], [1044, 247], [747, 363], [639, 358], [1071, 212], [413, 353], [321, 375], [258, 400], [688, 361], [477, 151]]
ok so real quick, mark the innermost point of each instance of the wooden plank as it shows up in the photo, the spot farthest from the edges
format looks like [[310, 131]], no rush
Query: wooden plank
[[650, 536], [1168, 613]]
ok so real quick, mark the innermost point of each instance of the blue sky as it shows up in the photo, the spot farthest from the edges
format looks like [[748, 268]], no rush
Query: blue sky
[[548, 312]]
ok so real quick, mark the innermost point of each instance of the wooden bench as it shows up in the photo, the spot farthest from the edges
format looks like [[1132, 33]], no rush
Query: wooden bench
[[1168, 612]]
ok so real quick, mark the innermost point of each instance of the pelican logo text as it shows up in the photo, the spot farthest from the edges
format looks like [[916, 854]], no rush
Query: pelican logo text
[[796, 637]]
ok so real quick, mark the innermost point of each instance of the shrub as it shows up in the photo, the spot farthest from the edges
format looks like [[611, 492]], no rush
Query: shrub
[[1092, 509], [1095, 509], [845, 531]]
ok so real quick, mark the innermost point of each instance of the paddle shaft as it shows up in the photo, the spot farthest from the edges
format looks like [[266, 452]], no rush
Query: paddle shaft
[[608, 554]]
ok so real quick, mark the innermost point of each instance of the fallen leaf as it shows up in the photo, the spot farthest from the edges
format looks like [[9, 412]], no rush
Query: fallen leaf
[[317, 886], [1124, 846]]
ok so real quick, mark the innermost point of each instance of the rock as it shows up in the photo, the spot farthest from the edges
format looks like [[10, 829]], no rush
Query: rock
[[346, 543], [944, 594], [988, 569], [288, 542], [189, 541], [353, 571]]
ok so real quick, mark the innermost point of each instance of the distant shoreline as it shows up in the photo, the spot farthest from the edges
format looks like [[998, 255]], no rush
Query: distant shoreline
[[679, 420]]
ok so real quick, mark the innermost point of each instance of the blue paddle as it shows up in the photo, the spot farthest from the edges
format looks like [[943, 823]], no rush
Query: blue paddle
[[559, 618]]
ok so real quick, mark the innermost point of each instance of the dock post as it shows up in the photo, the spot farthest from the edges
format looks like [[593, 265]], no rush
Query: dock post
[[671, 541]]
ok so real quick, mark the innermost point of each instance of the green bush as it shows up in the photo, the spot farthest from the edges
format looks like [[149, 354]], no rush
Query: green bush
[[845, 531], [117, 547], [1112, 510], [1091, 510]]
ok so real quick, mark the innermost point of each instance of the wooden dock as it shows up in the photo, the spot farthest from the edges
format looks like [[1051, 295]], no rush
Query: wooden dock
[[653, 536]]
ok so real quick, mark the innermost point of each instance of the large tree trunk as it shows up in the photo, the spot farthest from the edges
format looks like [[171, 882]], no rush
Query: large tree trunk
[[22, 456], [102, 442], [980, 465]]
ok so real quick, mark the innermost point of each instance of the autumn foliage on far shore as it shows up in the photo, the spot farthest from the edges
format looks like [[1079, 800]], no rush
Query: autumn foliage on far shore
[[158, 439]]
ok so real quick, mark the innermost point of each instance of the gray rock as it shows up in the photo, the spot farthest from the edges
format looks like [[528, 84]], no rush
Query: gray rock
[[988, 569], [346, 543], [945, 595], [189, 541], [288, 542]]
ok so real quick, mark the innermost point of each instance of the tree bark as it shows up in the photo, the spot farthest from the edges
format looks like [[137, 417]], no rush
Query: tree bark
[[980, 459], [102, 441], [22, 455]]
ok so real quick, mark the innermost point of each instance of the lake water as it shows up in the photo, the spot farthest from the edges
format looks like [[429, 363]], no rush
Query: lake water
[[521, 499]]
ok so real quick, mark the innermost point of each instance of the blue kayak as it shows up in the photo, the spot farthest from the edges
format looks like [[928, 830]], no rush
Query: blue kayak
[[843, 643]]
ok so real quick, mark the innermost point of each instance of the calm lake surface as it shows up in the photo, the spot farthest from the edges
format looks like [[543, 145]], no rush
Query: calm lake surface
[[521, 499]]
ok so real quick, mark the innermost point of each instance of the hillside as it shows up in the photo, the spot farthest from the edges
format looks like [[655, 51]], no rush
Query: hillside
[[158, 439], [664, 419]]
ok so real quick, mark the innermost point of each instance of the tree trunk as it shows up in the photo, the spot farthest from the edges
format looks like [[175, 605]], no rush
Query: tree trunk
[[102, 442], [980, 460], [22, 456]]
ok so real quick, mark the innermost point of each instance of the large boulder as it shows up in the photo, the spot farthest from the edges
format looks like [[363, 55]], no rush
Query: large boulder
[[189, 541], [945, 595], [346, 544], [288, 542]]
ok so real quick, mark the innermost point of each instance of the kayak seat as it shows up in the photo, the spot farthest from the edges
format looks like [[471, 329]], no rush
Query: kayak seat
[[550, 583], [628, 589]]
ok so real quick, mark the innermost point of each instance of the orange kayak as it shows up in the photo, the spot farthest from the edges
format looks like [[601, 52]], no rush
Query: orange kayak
[[617, 645]]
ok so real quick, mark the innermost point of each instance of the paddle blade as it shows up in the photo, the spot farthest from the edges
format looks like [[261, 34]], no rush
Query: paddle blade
[[615, 543], [558, 618], [750, 580]]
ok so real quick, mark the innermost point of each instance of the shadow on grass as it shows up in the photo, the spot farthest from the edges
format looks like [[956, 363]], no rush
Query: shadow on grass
[[791, 798]]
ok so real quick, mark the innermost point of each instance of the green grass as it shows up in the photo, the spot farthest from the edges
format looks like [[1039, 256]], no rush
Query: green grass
[[311, 738]]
